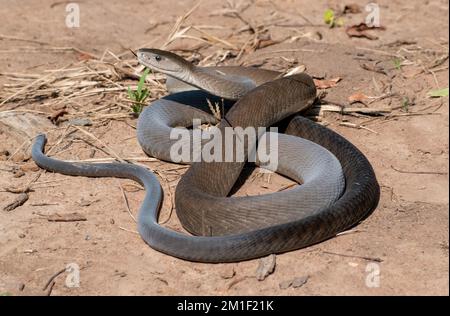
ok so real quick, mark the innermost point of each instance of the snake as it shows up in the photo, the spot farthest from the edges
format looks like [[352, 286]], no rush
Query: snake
[[338, 187]]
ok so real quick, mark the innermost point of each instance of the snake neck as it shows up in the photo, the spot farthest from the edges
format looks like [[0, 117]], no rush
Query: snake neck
[[216, 82]]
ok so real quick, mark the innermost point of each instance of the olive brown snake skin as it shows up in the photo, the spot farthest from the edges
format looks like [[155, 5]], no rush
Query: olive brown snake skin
[[338, 185]]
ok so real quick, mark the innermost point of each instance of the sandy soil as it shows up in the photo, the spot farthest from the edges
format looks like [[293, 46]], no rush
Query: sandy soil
[[408, 232]]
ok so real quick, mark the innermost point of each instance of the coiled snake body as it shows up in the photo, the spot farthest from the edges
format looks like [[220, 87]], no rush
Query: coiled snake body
[[338, 188]]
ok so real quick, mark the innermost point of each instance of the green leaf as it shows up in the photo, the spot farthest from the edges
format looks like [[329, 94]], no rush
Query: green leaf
[[405, 104], [397, 63], [328, 17], [144, 95], [438, 93], [137, 109], [140, 94], [130, 93], [142, 80]]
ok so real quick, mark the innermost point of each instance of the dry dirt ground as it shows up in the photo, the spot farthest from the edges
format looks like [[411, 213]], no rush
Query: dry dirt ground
[[405, 239]]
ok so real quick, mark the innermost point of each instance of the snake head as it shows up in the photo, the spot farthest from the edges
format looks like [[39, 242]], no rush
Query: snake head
[[162, 61]]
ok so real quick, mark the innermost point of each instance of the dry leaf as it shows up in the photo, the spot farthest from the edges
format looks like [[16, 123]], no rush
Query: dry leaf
[[54, 117], [358, 97], [359, 30], [17, 190], [266, 43], [262, 41], [18, 173], [84, 56], [29, 166], [18, 201], [374, 68], [325, 84], [70, 217], [21, 157], [352, 8]]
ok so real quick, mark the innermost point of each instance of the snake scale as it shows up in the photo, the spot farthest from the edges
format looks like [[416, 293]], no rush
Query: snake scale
[[338, 185]]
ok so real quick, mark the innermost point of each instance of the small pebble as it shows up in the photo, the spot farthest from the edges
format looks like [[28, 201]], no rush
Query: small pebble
[[266, 267], [295, 283], [285, 284], [80, 122], [300, 281], [228, 272], [84, 202]]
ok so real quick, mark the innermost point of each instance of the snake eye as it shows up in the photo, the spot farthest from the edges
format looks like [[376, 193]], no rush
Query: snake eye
[[158, 58]]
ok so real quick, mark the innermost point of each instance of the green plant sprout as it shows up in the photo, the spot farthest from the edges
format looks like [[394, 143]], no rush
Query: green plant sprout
[[330, 19], [139, 95], [405, 104], [397, 63]]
